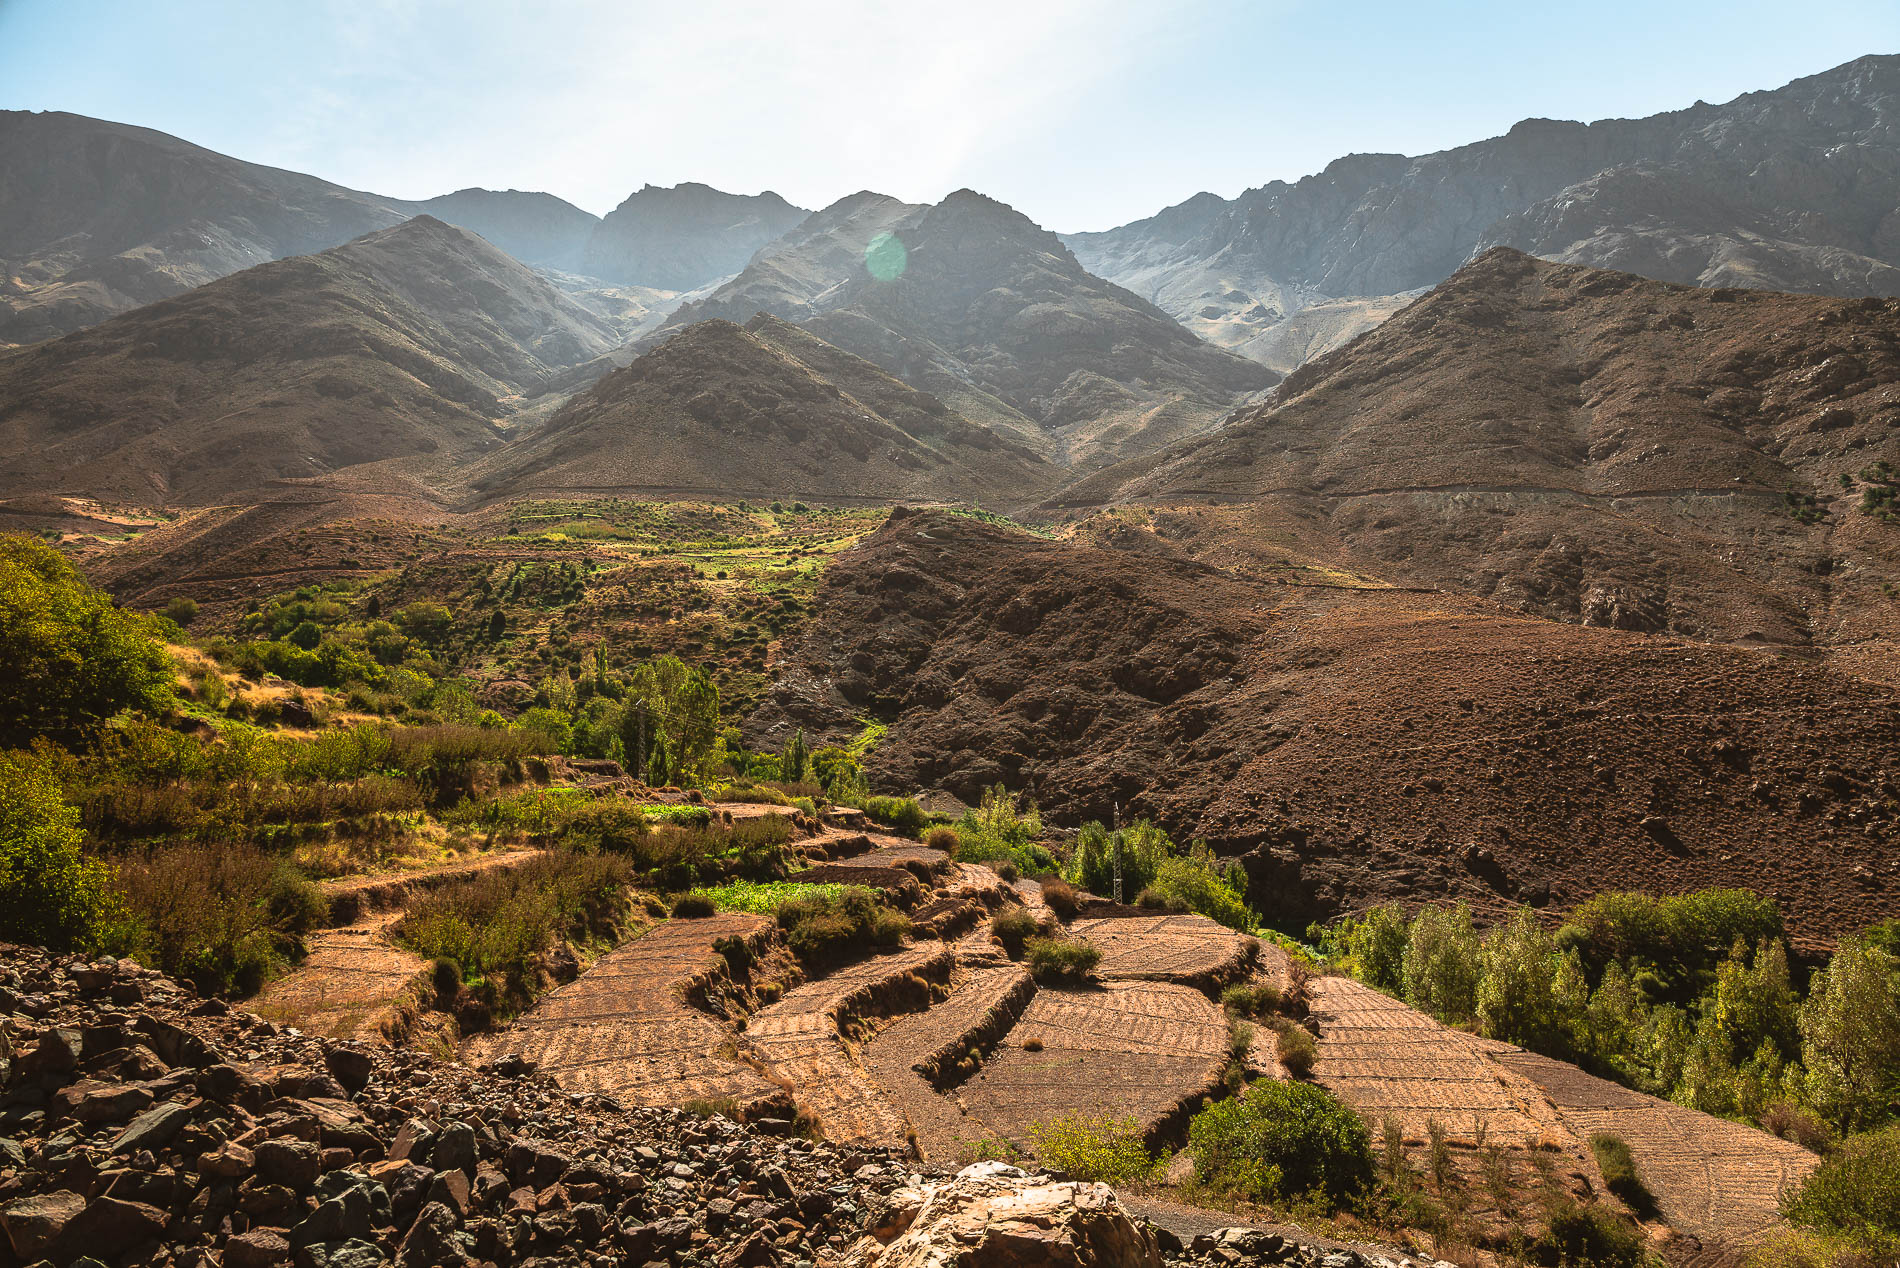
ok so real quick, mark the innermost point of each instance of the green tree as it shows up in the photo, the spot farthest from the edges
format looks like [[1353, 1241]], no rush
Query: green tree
[[71, 659], [1850, 1036], [1443, 963], [660, 764], [677, 702], [1517, 993], [51, 894], [1375, 943], [791, 762]]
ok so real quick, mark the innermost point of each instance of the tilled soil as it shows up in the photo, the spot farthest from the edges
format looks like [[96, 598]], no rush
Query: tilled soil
[[1719, 1180], [1191, 949], [1140, 1050], [348, 983], [798, 1039], [624, 1026]]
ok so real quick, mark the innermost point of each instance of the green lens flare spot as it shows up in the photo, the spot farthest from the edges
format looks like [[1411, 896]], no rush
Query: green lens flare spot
[[886, 257]]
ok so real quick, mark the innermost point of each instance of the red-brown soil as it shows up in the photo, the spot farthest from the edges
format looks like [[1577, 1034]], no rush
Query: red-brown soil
[[1577, 443], [1125, 1050], [1351, 744], [1190, 949], [625, 1028]]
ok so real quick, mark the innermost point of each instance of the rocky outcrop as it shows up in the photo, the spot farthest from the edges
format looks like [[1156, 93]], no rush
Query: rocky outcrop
[[993, 1215]]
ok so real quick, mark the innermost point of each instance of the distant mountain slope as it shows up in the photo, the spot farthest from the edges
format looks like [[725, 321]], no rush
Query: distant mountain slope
[[768, 410], [1794, 189], [97, 218], [685, 236], [408, 341], [991, 314], [535, 228], [1586, 444]]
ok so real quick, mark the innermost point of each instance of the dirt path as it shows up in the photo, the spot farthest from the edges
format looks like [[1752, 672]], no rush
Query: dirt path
[[799, 1040], [1718, 1180], [624, 1026]]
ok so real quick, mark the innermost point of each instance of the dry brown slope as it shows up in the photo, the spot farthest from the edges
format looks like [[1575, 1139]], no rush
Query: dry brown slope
[[765, 409], [1588, 445], [406, 342], [1352, 745]]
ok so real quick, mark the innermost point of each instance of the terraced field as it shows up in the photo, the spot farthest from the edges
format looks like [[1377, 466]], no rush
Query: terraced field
[[1716, 1179], [903, 1057], [1190, 949], [347, 985], [625, 1027], [799, 1038], [1129, 1049]]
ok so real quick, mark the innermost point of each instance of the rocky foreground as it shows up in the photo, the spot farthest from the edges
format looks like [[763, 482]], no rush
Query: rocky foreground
[[143, 1125]]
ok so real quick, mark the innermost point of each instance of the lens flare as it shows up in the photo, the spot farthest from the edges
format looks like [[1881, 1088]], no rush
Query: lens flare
[[886, 257]]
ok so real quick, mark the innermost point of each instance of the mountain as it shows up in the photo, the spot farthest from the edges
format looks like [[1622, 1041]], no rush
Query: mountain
[[1583, 444], [975, 304], [412, 340], [684, 237], [535, 228], [1794, 189], [1349, 744], [97, 218], [766, 409]]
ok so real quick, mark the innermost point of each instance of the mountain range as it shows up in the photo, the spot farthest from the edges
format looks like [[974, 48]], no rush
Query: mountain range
[[1794, 189]]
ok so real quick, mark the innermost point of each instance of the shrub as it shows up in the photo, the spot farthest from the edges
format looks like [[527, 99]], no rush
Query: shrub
[[683, 815], [1295, 1047], [1061, 959], [753, 795], [764, 898], [499, 922], [181, 611], [999, 831], [900, 813], [72, 659], [1854, 1194], [1251, 999], [1139, 849], [1283, 1140], [1013, 928], [1201, 883], [1619, 1172], [445, 978], [824, 926], [694, 906], [714, 1106], [1239, 1038], [1799, 1124], [942, 838], [51, 894], [1060, 896], [294, 903], [1588, 1234], [1105, 1149], [202, 913]]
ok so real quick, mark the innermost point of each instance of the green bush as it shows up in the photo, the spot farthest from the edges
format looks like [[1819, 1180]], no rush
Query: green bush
[[1000, 831], [1061, 959], [1140, 850], [1201, 883], [496, 924], [899, 813], [51, 894], [1854, 1194], [1620, 1175], [1443, 964], [204, 912], [1297, 1050], [1251, 999], [1013, 928], [694, 906], [1105, 1149], [72, 659], [825, 927], [1283, 1140], [764, 898], [685, 815]]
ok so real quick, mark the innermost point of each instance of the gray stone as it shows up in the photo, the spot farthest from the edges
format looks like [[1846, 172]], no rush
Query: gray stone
[[153, 1129]]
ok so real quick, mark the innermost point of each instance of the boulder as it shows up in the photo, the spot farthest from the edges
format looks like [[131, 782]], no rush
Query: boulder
[[33, 1223], [996, 1216]]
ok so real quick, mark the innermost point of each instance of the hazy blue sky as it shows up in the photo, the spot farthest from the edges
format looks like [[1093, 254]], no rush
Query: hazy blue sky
[[1081, 114]]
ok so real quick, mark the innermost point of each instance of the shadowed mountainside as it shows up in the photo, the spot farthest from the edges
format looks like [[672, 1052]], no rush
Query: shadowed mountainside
[[765, 409], [1351, 744]]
